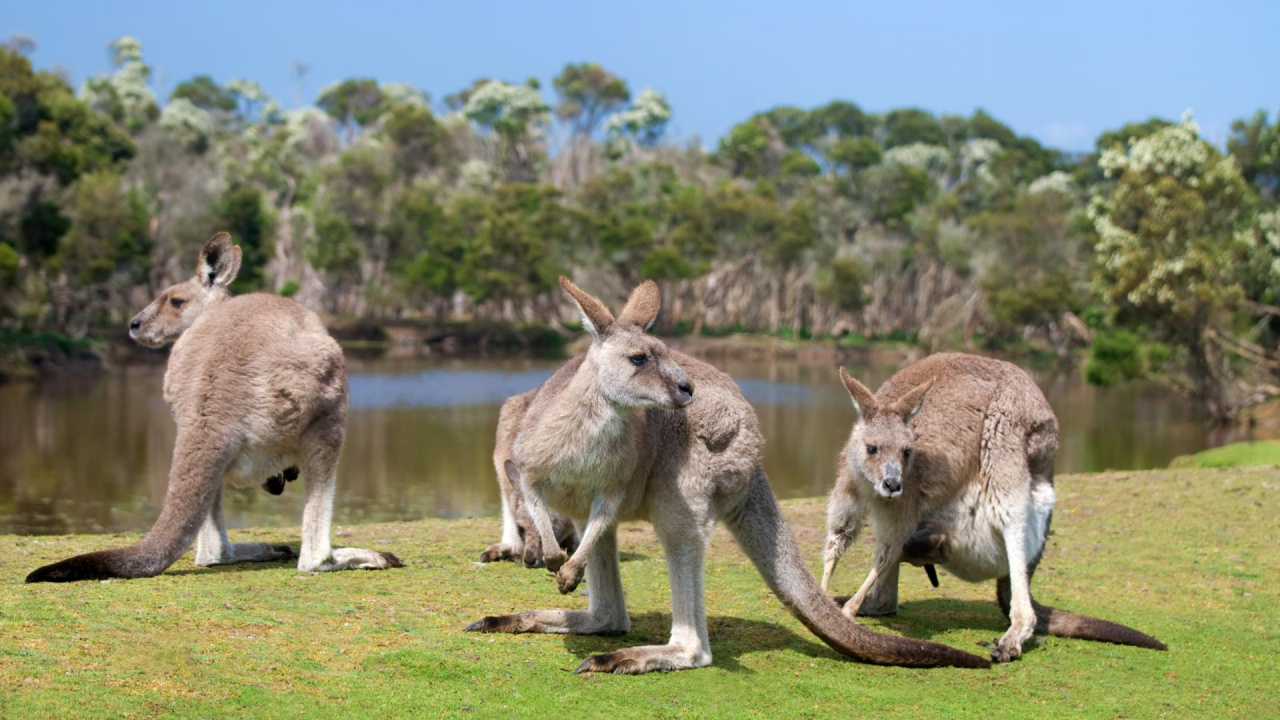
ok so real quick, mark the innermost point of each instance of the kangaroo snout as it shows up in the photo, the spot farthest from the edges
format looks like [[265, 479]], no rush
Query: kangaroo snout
[[890, 484], [684, 392]]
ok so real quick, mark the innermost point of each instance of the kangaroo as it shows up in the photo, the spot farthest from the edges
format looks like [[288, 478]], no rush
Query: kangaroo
[[616, 434], [520, 538], [953, 461], [257, 387]]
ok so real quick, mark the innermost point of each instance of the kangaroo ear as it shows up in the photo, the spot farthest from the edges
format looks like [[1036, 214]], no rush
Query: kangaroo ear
[[219, 261], [595, 316], [643, 306], [513, 472], [863, 399], [908, 405]]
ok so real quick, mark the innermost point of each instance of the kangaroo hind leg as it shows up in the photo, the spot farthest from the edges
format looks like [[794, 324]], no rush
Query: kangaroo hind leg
[[213, 547], [685, 542], [322, 445], [606, 612]]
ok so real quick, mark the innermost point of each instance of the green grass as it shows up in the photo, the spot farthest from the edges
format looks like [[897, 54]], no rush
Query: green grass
[[1241, 454], [1185, 555]]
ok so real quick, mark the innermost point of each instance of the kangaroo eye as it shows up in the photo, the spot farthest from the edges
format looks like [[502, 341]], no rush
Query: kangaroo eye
[[177, 302], [872, 449], [906, 454], [639, 359]]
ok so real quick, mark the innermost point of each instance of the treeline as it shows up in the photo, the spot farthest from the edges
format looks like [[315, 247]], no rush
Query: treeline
[[376, 203]]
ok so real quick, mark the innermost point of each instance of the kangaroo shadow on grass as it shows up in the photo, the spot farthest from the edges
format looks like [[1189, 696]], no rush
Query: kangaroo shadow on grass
[[926, 619], [731, 637], [190, 568]]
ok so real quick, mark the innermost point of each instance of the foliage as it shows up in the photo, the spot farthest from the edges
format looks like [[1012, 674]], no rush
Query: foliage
[[588, 93], [804, 219], [1170, 254], [1114, 357]]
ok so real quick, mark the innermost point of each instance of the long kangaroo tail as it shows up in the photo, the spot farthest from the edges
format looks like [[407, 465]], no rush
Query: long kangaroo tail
[[1060, 623], [193, 481], [758, 526]]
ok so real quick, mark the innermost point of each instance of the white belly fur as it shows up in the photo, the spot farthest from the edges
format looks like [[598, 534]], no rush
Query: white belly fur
[[976, 526]]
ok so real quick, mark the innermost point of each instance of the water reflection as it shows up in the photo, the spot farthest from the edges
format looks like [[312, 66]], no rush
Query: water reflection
[[92, 455]]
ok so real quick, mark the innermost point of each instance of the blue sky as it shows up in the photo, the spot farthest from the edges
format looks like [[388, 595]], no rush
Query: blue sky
[[1062, 72]]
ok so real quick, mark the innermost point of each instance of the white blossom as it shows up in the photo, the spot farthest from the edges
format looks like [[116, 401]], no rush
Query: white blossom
[[645, 119], [404, 94], [508, 107], [1056, 181], [930, 158], [183, 118], [477, 174]]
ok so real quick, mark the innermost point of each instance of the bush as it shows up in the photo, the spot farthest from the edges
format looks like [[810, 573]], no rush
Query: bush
[[1116, 356]]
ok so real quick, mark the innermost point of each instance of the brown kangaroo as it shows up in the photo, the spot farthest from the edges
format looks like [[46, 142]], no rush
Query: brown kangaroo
[[953, 461], [520, 539], [257, 388], [616, 434]]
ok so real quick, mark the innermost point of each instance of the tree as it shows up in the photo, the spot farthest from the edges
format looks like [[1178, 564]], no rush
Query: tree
[[242, 212], [1255, 145], [588, 93], [515, 113], [644, 121], [352, 103], [911, 126], [202, 92], [125, 94], [1170, 256]]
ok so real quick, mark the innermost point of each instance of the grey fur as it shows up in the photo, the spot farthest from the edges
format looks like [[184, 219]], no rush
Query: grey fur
[[256, 386], [610, 437], [953, 461]]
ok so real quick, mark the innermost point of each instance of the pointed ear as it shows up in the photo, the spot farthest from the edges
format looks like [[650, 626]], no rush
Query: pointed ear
[[513, 472], [908, 405], [596, 318], [219, 261], [643, 306], [864, 401]]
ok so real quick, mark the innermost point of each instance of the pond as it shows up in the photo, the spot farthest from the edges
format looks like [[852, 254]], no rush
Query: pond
[[92, 454]]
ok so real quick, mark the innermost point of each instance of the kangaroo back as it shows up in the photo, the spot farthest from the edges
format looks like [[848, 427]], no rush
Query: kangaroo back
[[758, 526]]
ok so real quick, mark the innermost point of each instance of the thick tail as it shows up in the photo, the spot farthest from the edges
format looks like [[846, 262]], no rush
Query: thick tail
[[758, 526], [1060, 623], [193, 481]]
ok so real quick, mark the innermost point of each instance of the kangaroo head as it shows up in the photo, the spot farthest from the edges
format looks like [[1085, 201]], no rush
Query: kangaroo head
[[170, 314], [633, 368], [882, 440]]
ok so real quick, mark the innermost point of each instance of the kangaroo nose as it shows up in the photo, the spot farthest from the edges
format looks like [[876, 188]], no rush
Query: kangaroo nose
[[135, 324]]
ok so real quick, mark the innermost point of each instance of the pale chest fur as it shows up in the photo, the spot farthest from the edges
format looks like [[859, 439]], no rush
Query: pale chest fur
[[573, 452]]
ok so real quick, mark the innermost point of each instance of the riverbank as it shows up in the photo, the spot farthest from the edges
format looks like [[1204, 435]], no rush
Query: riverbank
[[38, 356], [1177, 553]]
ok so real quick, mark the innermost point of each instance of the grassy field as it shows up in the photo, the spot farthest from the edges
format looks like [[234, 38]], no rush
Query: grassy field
[[1241, 454], [1190, 556]]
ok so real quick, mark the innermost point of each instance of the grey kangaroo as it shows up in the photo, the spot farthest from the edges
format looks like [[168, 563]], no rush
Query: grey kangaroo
[[257, 388], [520, 539], [616, 433], [953, 461]]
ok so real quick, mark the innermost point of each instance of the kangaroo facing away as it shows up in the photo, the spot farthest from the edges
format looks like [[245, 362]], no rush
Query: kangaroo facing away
[[616, 434], [953, 461], [520, 539], [257, 388]]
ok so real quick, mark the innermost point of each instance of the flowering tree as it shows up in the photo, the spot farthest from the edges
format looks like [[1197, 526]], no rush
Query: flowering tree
[[645, 120], [515, 113], [1170, 255], [124, 95]]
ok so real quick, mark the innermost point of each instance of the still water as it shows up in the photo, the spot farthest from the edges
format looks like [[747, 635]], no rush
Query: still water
[[92, 454]]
